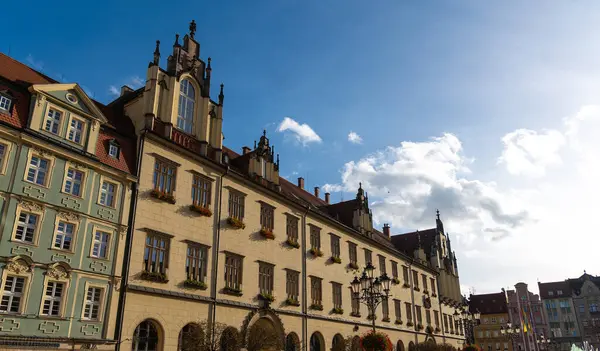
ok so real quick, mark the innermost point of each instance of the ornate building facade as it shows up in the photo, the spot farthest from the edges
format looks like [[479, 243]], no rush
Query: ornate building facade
[[65, 176], [494, 316], [220, 236]]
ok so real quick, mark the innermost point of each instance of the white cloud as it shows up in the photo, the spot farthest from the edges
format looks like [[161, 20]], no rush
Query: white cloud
[[527, 152], [332, 188], [354, 138], [303, 133], [36, 64], [114, 91], [136, 82]]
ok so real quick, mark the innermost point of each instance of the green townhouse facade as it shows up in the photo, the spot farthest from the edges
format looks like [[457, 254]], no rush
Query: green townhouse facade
[[66, 175]]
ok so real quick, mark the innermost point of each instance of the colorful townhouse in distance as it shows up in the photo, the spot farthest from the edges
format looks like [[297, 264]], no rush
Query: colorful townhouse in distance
[[66, 170]]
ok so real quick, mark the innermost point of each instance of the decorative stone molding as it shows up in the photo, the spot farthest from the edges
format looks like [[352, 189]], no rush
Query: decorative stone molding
[[9, 324], [41, 99], [98, 266], [106, 213], [32, 191], [69, 216], [116, 283], [257, 314], [77, 165], [18, 266], [30, 206], [60, 257], [70, 202], [21, 250], [48, 327], [42, 152], [90, 329], [58, 271]]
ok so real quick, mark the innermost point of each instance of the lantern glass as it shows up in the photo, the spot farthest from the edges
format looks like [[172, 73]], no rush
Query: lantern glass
[[370, 269], [355, 284]]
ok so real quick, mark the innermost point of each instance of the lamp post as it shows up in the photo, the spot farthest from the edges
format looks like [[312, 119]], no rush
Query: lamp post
[[371, 290], [543, 342], [511, 333], [468, 321]]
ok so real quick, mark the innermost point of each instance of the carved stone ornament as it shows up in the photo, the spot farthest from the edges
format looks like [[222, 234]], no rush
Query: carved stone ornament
[[116, 283], [77, 165], [57, 272], [41, 100], [42, 152], [69, 216], [18, 266], [30, 206]]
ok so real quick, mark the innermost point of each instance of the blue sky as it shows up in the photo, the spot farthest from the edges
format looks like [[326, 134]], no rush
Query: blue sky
[[499, 77]]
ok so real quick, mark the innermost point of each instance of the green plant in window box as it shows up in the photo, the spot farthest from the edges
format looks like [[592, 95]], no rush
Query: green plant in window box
[[336, 259], [316, 252], [236, 223], [417, 288], [267, 234], [316, 307], [161, 195], [353, 265], [267, 297], [292, 243], [409, 324], [398, 322], [437, 330], [434, 295], [385, 319], [420, 326], [426, 292], [156, 277], [337, 310], [204, 211], [355, 314], [233, 291], [395, 281], [406, 285], [429, 329], [194, 284], [292, 302]]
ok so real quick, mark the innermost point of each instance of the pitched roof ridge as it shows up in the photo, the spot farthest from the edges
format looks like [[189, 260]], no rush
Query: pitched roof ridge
[[52, 80]]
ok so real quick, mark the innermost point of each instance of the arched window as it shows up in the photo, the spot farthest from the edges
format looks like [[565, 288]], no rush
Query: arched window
[[316, 342], [145, 337], [399, 346], [185, 113], [191, 337], [230, 340], [338, 344], [356, 344], [292, 343]]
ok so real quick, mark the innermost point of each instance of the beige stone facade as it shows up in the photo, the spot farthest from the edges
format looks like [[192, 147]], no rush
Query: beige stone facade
[[166, 292]]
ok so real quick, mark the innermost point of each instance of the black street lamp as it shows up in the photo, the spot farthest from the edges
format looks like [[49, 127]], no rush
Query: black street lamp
[[512, 333], [468, 321], [543, 342], [371, 290]]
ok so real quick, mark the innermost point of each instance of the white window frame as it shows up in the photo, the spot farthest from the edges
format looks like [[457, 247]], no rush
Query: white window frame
[[73, 132], [95, 253], [4, 154], [185, 118], [105, 194], [113, 150], [51, 121], [12, 294], [61, 234], [53, 299], [5, 103], [70, 180], [25, 225], [37, 169], [88, 314]]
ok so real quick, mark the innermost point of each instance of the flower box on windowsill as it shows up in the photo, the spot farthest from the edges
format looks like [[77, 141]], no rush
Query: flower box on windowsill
[[353, 265], [406, 285], [355, 314], [236, 223], [395, 281], [203, 211], [232, 291], [337, 310], [398, 322], [156, 277], [292, 243], [316, 252], [316, 307], [416, 288], [434, 295], [266, 297], [336, 259], [420, 326], [429, 329], [267, 234], [292, 302], [163, 196], [409, 324], [194, 284], [437, 330], [426, 292], [385, 319]]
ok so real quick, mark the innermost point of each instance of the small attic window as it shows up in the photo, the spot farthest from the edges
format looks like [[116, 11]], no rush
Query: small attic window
[[72, 98], [5, 103], [113, 149]]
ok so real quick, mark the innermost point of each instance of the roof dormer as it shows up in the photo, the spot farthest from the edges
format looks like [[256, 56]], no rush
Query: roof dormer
[[261, 162]]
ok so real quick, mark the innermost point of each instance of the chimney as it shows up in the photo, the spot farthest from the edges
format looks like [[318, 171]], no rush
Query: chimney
[[245, 150], [316, 191], [301, 183], [386, 230], [125, 89], [327, 197]]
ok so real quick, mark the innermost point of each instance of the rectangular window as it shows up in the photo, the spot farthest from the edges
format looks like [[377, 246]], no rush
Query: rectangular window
[[53, 121], [100, 244], [335, 246], [416, 279], [92, 304], [408, 308], [292, 288], [265, 278], [156, 253], [73, 182], [394, 269], [196, 262], [233, 272], [64, 235], [424, 277], [315, 238], [433, 289], [337, 295], [164, 177], [75, 130], [436, 318], [107, 194], [315, 291], [113, 150], [382, 269], [352, 253], [493, 320], [201, 187], [53, 298], [267, 214], [385, 309], [428, 317], [12, 295], [236, 205], [2, 155], [291, 228], [418, 314], [398, 309], [4, 103], [405, 275], [37, 170], [368, 256], [355, 307], [26, 227], [445, 323]]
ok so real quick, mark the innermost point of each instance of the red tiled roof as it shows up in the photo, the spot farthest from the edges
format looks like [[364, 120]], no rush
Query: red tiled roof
[[23, 76], [488, 303], [409, 242]]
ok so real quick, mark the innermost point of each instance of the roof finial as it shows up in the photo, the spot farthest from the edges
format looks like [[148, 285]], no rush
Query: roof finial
[[264, 132], [437, 211], [360, 185], [157, 52], [176, 40], [208, 66], [221, 95], [192, 29]]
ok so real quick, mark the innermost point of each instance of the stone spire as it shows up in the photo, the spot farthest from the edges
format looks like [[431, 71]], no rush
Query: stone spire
[[192, 29], [221, 95], [157, 53]]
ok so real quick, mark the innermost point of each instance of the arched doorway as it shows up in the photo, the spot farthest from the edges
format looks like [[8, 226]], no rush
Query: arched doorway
[[145, 337], [263, 336], [292, 342], [338, 343], [191, 337], [317, 343], [399, 346], [230, 339]]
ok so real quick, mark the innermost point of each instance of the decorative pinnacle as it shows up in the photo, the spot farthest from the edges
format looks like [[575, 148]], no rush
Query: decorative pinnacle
[[192, 29], [437, 212], [176, 40], [208, 65], [221, 95], [157, 52]]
